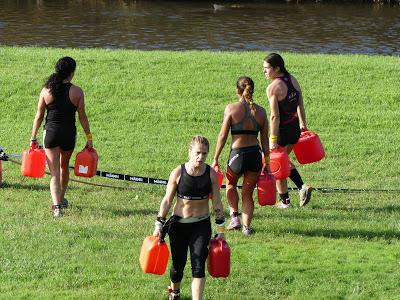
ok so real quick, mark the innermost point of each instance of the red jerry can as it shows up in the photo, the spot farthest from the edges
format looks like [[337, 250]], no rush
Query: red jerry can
[[86, 162], [154, 255], [279, 163], [309, 148], [266, 189], [220, 175], [33, 162], [219, 258]]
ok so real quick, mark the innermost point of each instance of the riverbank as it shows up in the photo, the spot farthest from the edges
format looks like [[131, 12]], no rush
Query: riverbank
[[144, 106]]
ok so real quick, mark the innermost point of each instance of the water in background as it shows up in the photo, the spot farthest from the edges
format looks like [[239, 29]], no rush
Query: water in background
[[171, 25]]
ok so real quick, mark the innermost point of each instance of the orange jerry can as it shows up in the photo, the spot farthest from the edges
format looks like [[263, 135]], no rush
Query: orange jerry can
[[219, 258], [154, 255], [33, 162], [86, 162], [266, 189], [279, 163], [309, 148]]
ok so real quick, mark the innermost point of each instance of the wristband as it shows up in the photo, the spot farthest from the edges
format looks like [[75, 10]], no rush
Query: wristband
[[89, 136], [220, 228], [33, 139], [161, 220], [273, 139]]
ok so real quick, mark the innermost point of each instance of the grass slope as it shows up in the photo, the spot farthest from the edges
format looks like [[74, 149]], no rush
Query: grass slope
[[143, 108]]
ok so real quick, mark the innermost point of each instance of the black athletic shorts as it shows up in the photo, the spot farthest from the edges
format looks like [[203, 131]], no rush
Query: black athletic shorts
[[289, 134], [65, 138], [245, 159]]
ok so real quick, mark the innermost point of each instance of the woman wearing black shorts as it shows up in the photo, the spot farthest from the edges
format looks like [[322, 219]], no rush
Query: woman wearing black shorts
[[192, 184], [245, 120], [288, 119], [61, 99]]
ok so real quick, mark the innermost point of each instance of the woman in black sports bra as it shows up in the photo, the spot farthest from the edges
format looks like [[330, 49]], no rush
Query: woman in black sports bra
[[190, 228], [245, 120], [61, 99], [288, 119]]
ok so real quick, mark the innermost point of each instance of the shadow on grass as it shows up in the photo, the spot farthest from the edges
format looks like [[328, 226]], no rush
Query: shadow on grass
[[132, 212], [384, 209], [346, 234], [21, 186], [30, 186]]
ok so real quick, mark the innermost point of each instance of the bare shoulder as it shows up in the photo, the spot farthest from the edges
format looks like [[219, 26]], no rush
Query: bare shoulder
[[175, 174], [230, 107], [76, 91], [259, 108], [45, 92]]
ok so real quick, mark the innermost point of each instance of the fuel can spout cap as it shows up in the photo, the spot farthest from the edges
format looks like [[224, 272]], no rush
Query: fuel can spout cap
[[3, 155]]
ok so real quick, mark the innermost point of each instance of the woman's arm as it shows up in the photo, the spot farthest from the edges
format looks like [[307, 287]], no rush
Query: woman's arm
[[77, 93], [223, 134], [39, 115], [217, 205], [264, 140], [167, 200], [272, 94], [301, 113]]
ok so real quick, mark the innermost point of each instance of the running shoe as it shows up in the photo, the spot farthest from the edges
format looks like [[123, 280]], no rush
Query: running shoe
[[64, 203], [173, 295], [57, 211], [247, 230], [282, 205], [234, 224], [305, 194]]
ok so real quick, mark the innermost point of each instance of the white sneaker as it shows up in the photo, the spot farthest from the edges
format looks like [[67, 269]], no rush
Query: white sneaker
[[247, 230], [280, 204], [305, 194], [234, 224], [57, 211]]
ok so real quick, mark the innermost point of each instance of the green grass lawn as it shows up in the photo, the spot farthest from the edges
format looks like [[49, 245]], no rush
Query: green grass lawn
[[144, 107]]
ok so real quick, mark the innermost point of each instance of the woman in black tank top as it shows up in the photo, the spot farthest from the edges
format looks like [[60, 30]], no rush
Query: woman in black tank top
[[245, 120], [61, 99], [190, 227], [288, 119]]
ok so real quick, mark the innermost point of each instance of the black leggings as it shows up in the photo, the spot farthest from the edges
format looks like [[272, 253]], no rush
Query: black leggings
[[194, 236]]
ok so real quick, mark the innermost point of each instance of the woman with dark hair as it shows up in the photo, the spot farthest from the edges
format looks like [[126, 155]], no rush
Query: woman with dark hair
[[192, 183], [61, 99], [245, 120], [288, 119]]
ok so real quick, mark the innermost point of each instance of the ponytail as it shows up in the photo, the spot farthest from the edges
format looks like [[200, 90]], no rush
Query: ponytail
[[248, 97], [53, 83], [245, 88], [64, 68]]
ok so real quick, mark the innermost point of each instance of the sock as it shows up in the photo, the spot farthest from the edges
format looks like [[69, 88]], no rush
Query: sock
[[235, 214], [296, 178], [285, 198]]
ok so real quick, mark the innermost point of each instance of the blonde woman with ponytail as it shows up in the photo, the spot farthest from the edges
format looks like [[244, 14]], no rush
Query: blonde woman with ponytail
[[246, 121]]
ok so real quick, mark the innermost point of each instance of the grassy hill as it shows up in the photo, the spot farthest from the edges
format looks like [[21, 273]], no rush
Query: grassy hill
[[144, 107]]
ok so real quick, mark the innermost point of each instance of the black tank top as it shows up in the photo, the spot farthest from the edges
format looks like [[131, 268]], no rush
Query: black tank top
[[194, 187], [288, 106], [238, 128], [61, 112]]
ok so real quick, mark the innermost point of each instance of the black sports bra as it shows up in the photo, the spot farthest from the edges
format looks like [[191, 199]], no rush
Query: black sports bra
[[238, 128], [194, 187]]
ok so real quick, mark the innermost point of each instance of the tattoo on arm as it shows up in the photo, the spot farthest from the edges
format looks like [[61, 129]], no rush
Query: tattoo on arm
[[219, 214]]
